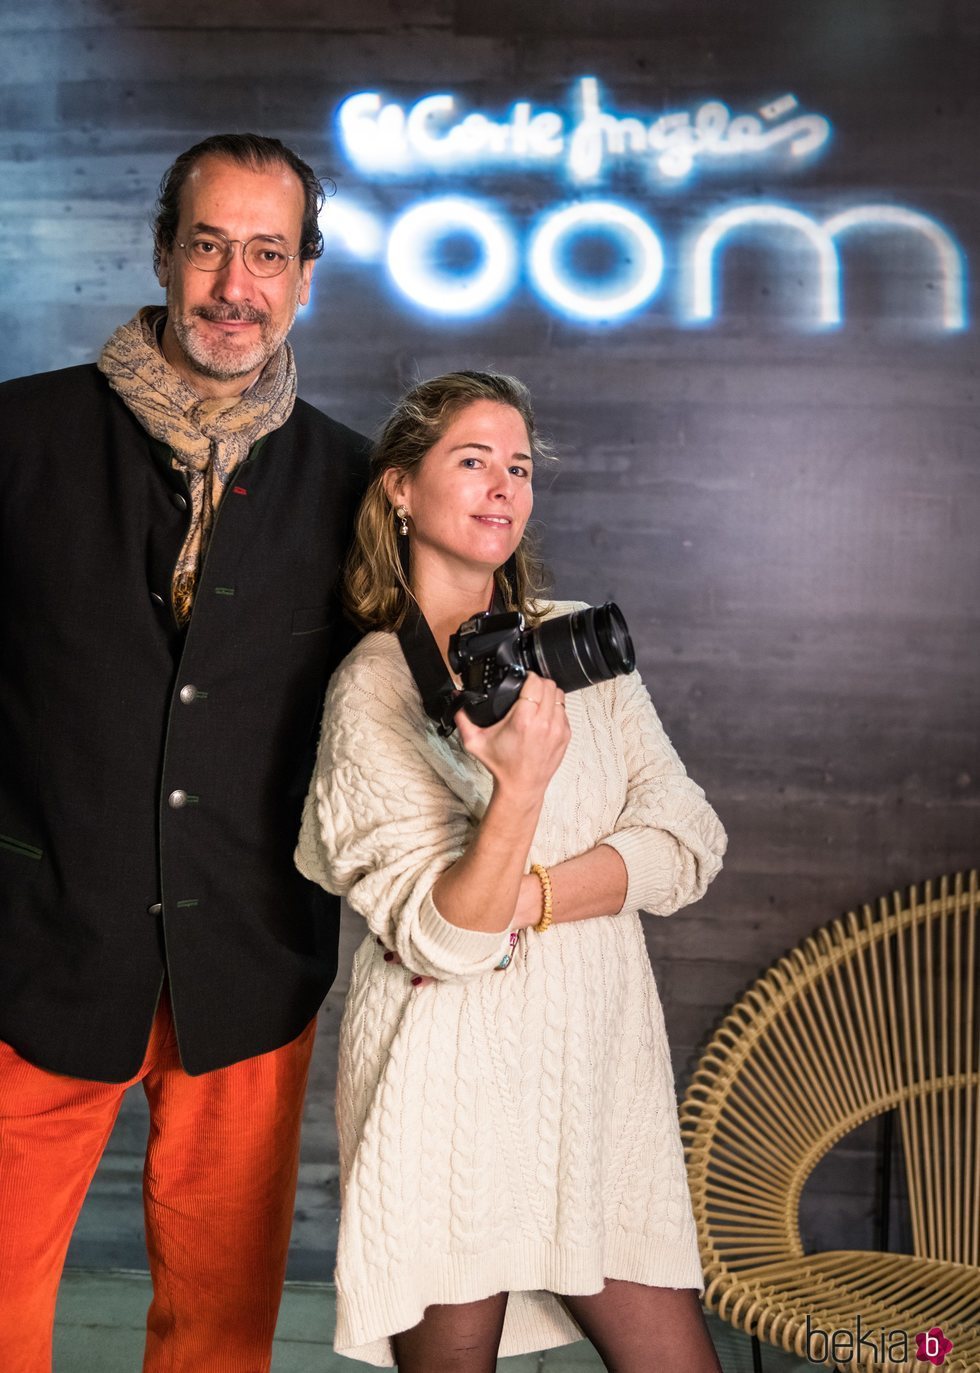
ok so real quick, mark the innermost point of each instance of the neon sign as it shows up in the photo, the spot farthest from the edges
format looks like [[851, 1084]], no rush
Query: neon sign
[[822, 239], [431, 134], [459, 256]]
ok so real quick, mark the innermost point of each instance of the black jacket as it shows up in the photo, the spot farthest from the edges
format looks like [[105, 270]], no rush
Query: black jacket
[[151, 780]]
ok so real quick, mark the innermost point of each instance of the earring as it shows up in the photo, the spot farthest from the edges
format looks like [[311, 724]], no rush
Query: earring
[[401, 515]]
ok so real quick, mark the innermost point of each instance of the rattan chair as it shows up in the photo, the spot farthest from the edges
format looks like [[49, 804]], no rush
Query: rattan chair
[[874, 1013]]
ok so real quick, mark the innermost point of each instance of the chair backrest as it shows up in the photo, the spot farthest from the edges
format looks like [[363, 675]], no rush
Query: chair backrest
[[874, 1012]]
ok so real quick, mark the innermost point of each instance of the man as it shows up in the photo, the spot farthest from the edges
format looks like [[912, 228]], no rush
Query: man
[[172, 524]]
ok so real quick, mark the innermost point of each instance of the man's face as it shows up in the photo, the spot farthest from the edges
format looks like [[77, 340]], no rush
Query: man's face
[[223, 327]]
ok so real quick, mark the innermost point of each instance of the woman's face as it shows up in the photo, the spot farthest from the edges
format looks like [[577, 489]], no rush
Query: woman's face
[[470, 497]]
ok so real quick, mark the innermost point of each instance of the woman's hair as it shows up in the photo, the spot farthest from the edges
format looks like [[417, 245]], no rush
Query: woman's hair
[[376, 589]]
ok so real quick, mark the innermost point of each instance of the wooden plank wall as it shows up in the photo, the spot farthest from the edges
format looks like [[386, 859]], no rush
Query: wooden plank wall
[[788, 517]]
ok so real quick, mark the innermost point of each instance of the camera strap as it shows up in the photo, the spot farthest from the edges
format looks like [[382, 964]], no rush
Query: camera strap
[[441, 697], [425, 662]]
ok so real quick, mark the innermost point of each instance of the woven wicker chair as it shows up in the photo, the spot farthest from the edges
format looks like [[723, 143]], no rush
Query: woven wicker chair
[[873, 1013]]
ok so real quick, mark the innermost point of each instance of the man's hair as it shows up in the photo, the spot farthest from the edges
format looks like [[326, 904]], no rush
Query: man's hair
[[251, 150]]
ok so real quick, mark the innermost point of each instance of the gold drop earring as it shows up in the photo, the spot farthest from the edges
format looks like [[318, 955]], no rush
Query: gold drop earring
[[401, 515]]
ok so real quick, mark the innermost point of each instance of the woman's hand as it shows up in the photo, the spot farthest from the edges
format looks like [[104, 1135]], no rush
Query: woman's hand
[[522, 751]]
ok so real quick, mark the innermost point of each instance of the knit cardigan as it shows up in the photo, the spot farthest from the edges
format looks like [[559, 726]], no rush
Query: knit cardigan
[[500, 1130]]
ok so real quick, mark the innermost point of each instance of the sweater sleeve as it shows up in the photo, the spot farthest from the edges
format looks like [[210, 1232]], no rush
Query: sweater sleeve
[[380, 826], [667, 835]]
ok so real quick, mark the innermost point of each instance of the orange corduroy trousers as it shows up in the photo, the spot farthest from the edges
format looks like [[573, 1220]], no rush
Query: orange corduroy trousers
[[219, 1185]]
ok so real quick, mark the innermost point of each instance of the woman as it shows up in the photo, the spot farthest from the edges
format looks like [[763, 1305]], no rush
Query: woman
[[511, 1169]]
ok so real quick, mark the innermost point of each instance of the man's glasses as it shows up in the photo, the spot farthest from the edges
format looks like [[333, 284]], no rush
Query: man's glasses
[[212, 252]]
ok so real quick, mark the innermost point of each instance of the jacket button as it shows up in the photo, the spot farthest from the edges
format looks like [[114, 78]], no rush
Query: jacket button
[[176, 799], [155, 909], [156, 598], [188, 694], [179, 501]]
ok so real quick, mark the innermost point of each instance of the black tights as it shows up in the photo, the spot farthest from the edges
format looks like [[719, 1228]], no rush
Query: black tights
[[454, 1339], [635, 1329]]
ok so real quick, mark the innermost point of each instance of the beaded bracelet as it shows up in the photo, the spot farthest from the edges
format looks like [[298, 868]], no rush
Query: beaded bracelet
[[544, 877]]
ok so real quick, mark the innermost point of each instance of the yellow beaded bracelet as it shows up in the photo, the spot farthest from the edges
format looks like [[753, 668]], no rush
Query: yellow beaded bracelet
[[544, 877]]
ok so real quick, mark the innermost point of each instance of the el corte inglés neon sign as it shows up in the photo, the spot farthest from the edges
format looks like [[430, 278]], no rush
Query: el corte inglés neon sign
[[598, 257]]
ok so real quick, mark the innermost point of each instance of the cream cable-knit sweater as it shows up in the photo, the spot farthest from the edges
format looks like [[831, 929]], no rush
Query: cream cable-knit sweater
[[500, 1130]]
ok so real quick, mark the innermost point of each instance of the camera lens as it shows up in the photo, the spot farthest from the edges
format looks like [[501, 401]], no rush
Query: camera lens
[[578, 650]]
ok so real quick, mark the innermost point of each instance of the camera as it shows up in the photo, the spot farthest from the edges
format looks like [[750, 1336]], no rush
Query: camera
[[493, 653]]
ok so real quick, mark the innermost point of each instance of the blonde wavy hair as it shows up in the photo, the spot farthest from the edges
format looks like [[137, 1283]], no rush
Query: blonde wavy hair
[[376, 589]]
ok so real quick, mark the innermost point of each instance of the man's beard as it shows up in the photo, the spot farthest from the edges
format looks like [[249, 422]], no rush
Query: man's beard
[[225, 359]]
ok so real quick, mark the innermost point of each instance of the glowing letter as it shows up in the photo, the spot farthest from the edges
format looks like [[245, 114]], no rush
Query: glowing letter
[[374, 136], [420, 135], [414, 237], [352, 228], [587, 148], [576, 298], [950, 258], [469, 137], [780, 216], [520, 123], [544, 134]]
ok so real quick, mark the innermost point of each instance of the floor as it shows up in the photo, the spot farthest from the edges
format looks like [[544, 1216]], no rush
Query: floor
[[99, 1329]]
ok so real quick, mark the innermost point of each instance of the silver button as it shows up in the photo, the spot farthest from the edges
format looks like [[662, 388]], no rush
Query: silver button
[[176, 799], [155, 909], [179, 501], [188, 694]]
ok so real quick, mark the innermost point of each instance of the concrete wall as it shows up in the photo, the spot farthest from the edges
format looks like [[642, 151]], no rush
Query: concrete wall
[[787, 513]]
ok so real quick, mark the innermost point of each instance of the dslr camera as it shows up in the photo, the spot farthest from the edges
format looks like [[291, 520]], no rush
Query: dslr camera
[[493, 653]]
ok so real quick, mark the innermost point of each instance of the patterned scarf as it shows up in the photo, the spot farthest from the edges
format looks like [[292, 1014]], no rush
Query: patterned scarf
[[209, 438]]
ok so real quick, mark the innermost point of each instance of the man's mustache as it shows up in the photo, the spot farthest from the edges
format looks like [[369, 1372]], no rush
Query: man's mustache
[[221, 314]]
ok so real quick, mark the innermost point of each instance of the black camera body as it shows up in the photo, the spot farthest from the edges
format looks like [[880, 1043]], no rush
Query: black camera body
[[493, 653]]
